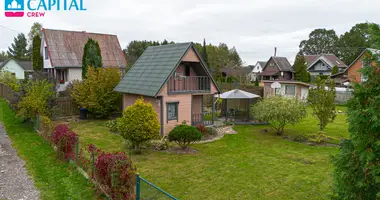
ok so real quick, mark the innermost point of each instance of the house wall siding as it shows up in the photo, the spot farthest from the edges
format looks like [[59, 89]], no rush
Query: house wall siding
[[353, 74], [301, 91], [46, 62], [320, 66], [184, 108], [191, 56], [74, 74], [15, 68]]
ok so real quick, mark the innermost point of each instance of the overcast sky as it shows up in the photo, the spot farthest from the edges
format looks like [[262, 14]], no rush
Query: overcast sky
[[254, 27]]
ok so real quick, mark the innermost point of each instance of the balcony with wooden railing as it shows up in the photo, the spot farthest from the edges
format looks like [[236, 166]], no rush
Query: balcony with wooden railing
[[189, 84]]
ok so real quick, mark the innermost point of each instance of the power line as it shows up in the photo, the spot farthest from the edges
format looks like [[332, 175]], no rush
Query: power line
[[11, 29]]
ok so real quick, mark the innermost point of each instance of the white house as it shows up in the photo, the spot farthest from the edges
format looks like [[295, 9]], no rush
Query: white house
[[62, 53], [256, 69], [286, 88], [20, 69], [323, 64]]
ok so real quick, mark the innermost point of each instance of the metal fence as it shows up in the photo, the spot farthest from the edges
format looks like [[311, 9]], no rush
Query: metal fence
[[146, 190], [342, 97]]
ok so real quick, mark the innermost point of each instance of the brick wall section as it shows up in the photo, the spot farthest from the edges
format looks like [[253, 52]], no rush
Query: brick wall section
[[353, 74]]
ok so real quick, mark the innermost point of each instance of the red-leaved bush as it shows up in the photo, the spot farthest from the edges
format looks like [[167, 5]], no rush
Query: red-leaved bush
[[117, 174], [201, 129], [64, 140]]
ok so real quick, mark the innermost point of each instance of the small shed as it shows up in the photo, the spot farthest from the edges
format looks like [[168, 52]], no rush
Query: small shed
[[236, 105], [289, 89]]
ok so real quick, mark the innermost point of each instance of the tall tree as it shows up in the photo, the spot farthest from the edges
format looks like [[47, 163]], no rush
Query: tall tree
[[92, 56], [165, 42], [335, 70], [204, 52], [375, 36], [18, 49], [135, 48], [322, 102], [36, 55], [35, 29], [353, 42], [299, 66], [357, 174], [3, 55], [320, 41]]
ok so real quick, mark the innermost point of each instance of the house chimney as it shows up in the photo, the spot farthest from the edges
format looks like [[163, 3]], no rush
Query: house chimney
[[275, 51]]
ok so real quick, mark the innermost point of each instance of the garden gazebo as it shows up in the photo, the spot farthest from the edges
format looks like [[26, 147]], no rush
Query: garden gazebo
[[236, 105]]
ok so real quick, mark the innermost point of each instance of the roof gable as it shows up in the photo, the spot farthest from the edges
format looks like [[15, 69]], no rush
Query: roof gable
[[24, 65], [330, 59], [65, 48], [373, 51], [281, 63], [151, 71]]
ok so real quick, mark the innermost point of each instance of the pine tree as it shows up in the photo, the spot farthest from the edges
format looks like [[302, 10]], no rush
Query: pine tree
[[165, 42], [257, 81], [18, 49], [299, 68], [357, 166], [335, 70], [36, 56], [204, 52], [91, 56]]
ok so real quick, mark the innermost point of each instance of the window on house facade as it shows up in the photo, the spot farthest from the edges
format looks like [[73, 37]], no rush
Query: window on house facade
[[290, 90], [46, 54], [172, 111]]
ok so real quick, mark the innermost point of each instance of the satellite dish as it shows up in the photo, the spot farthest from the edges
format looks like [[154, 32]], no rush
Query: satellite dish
[[275, 85]]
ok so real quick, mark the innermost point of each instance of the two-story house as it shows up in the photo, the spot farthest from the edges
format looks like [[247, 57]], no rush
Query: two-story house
[[277, 68], [323, 64], [256, 70], [62, 53], [174, 79]]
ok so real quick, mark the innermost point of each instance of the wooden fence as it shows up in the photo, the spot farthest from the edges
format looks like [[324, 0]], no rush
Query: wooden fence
[[65, 107], [7, 93], [207, 101]]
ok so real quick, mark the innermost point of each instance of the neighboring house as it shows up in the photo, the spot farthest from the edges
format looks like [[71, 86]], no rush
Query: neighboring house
[[20, 69], [352, 72], [323, 64], [62, 53], [290, 89], [277, 68], [174, 79], [256, 70]]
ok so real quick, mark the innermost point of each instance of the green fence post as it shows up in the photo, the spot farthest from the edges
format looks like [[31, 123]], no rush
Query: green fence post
[[76, 150], [137, 187], [93, 163]]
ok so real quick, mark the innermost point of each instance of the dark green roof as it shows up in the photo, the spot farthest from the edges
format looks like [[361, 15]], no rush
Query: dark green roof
[[152, 69]]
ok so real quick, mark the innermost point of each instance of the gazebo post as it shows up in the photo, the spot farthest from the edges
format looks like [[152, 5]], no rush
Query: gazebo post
[[226, 111], [249, 110], [213, 110]]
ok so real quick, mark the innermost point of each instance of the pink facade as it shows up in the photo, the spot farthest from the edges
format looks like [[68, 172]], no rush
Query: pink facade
[[189, 101]]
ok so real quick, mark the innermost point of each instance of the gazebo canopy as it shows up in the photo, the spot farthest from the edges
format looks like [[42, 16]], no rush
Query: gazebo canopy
[[237, 94]]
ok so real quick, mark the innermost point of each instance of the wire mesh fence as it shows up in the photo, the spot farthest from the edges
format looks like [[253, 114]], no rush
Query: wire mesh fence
[[146, 190]]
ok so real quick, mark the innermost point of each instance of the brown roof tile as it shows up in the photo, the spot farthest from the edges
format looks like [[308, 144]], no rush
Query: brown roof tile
[[66, 48]]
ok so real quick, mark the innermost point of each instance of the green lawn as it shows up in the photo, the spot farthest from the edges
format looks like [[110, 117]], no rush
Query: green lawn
[[248, 165], [52, 177]]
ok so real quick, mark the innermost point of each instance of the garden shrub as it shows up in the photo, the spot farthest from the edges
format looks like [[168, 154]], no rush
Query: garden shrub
[[112, 124], [160, 145], [37, 100], [95, 93], [65, 140], [184, 135], [279, 111], [46, 127], [201, 128], [300, 138], [211, 131], [10, 80], [139, 123], [117, 174], [320, 137]]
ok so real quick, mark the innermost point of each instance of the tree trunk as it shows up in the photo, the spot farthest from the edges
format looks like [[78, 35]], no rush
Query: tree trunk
[[137, 148]]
